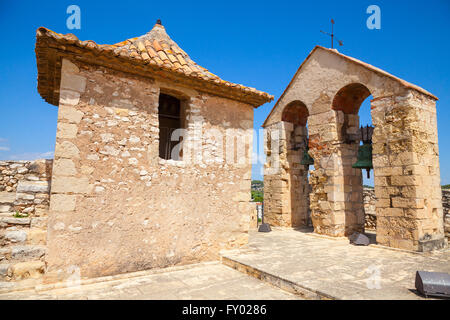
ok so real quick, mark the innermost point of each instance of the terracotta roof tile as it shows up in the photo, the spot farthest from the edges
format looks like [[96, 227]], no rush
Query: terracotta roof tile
[[158, 49]]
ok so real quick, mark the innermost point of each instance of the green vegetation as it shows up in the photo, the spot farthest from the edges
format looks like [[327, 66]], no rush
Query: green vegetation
[[446, 186], [257, 196], [20, 215], [257, 191]]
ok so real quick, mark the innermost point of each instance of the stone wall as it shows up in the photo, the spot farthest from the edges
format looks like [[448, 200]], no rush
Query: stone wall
[[28, 182], [446, 208], [286, 188], [369, 208], [370, 212], [24, 204], [115, 205]]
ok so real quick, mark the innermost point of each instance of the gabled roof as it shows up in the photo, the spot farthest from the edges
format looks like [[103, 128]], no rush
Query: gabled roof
[[359, 62], [153, 54]]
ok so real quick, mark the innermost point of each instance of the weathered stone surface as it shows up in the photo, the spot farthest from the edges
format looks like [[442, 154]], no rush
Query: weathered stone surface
[[7, 197], [67, 150], [70, 114], [62, 202], [4, 269], [333, 267], [327, 93], [28, 252], [121, 185], [73, 82], [67, 130], [33, 186], [15, 221], [64, 167], [175, 283], [5, 208], [70, 185], [68, 98], [36, 236], [16, 236], [25, 270]]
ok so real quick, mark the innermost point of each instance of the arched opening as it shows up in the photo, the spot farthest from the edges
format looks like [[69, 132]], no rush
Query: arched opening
[[295, 117], [353, 101]]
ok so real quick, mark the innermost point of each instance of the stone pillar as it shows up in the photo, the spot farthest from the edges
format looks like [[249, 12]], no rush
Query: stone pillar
[[298, 179], [286, 188], [336, 196], [406, 165], [69, 180]]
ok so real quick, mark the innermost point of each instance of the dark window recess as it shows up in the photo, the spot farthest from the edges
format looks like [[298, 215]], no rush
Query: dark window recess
[[169, 115]]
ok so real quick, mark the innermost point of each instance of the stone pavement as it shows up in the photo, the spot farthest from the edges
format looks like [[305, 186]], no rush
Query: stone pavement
[[202, 281], [323, 267]]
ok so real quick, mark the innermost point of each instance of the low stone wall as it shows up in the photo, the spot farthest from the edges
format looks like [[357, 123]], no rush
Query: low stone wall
[[371, 219], [30, 182], [446, 207], [369, 208], [24, 205]]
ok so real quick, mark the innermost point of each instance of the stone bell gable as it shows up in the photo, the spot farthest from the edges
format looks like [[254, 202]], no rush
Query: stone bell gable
[[119, 199], [322, 102]]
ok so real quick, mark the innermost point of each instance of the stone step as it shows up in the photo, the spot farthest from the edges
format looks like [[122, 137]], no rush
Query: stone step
[[22, 236], [275, 280], [22, 270], [21, 253]]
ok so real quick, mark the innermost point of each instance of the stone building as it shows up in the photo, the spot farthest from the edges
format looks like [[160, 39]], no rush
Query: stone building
[[124, 196], [321, 103]]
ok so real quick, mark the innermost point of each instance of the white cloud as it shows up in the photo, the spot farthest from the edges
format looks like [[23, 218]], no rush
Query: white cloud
[[32, 156], [3, 148]]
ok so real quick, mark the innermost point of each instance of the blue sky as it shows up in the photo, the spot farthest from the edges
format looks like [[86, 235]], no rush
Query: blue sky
[[256, 43]]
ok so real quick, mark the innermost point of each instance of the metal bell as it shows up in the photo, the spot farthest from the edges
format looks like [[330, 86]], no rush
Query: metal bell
[[364, 160], [307, 160]]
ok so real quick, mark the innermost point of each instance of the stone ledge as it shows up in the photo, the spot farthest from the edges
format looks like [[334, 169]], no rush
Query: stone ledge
[[277, 281]]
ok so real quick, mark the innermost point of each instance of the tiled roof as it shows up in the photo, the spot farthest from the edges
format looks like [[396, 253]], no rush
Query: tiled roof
[[154, 50]]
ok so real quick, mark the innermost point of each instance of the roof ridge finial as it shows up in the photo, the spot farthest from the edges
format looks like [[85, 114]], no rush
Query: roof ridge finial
[[159, 22]]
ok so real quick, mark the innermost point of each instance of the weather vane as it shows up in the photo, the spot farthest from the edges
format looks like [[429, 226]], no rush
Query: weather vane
[[332, 35]]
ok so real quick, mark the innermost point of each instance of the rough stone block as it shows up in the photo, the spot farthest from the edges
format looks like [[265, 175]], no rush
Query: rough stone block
[[64, 167], [72, 115], [73, 82], [24, 270], [33, 186], [62, 202], [27, 252], [37, 236], [68, 98], [70, 185], [69, 67], [66, 130], [16, 236], [66, 149]]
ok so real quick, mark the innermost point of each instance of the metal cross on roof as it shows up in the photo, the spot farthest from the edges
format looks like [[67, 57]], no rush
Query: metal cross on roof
[[332, 35]]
